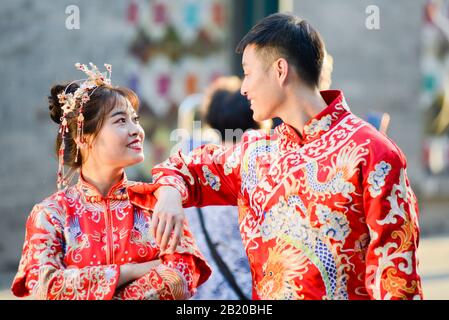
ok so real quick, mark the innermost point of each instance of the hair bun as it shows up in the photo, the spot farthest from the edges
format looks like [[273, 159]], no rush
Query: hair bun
[[53, 101]]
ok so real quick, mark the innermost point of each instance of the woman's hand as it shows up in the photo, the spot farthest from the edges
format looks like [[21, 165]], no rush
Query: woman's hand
[[168, 217], [133, 271]]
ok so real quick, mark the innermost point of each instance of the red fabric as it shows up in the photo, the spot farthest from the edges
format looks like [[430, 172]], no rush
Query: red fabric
[[76, 241], [141, 195], [327, 213]]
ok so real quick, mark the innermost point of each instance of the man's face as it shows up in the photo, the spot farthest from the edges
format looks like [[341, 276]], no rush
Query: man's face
[[260, 85]]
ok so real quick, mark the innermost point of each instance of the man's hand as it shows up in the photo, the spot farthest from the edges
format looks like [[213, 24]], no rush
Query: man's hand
[[168, 217]]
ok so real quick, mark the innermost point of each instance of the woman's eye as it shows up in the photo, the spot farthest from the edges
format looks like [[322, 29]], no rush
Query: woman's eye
[[136, 119], [121, 120]]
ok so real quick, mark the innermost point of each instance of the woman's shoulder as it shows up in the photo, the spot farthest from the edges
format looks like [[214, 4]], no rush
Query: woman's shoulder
[[139, 186], [132, 183], [49, 209], [141, 194]]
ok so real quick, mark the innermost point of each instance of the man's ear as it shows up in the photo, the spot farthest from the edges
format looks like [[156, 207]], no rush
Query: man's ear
[[281, 69]]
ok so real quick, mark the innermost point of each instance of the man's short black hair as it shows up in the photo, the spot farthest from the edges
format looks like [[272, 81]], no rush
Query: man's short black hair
[[286, 36]]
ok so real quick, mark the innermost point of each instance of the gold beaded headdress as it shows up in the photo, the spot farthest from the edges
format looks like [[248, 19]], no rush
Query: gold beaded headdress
[[72, 105]]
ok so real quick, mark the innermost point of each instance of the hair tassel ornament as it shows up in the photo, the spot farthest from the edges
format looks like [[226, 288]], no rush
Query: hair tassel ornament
[[73, 105]]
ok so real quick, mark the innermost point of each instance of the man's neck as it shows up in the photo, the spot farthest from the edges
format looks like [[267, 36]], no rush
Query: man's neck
[[300, 106], [101, 177]]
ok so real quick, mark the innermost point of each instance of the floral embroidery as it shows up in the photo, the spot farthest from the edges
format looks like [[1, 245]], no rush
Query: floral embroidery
[[316, 126], [211, 179], [334, 224], [376, 178], [71, 253], [232, 162]]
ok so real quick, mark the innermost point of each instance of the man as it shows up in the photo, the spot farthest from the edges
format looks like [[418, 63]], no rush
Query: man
[[325, 206]]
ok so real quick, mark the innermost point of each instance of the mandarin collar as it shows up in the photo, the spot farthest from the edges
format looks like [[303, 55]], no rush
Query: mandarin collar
[[91, 193], [315, 127]]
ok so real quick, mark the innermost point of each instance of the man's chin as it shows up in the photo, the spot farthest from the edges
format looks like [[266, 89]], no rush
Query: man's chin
[[260, 118]]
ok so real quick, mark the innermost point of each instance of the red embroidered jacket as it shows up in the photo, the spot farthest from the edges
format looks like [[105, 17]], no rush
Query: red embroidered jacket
[[76, 241], [324, 214]]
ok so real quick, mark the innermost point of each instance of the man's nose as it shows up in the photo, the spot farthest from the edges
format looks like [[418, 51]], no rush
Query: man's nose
[[243, 91]]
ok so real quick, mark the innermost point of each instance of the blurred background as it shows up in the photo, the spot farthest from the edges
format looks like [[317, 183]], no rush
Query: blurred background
[[389, 56]]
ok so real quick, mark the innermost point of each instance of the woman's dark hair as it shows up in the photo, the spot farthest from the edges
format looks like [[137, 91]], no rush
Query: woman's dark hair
[[286, 36], [228, 109], [102, 101]]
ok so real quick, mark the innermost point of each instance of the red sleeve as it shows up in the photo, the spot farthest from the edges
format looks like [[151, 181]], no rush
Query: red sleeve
[[209, 175], [177, 278], [42, 272], [392, 217]]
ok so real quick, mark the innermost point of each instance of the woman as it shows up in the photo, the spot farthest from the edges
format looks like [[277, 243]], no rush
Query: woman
[[92, 240]]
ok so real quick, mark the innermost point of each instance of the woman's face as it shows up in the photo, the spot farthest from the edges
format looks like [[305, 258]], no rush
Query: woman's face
[[119, 143]]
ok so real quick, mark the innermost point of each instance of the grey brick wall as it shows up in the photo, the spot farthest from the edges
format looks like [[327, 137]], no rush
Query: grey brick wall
[[37, 51], [376, 69]]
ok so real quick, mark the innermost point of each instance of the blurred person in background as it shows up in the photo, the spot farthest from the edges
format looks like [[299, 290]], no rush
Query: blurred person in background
[[91, 240], [326, 210], [216, 228]]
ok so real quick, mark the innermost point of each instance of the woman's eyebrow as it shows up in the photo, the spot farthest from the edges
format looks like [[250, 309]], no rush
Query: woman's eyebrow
[[117, 113], [124, 113]]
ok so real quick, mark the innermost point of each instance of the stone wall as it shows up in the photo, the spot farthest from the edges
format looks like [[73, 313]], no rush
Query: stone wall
[[376, 69], [37, 51]]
